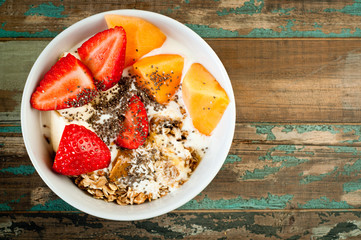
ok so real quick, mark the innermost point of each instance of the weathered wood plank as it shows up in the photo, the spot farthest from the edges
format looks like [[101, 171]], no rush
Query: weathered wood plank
[[16, 61], [273, 81], [186, 225], [258, 175], [348, 135], [293, 171], [246, 18], [299, 134], [276, 134], [285, 81]]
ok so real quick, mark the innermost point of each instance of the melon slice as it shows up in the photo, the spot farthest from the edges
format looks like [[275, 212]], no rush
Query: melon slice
[[205, 99], [159, 75], [142, 36]]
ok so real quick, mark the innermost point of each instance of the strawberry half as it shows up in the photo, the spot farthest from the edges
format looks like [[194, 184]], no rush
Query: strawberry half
[[135, 127], [104, 54], [68, 83], [80, 151]]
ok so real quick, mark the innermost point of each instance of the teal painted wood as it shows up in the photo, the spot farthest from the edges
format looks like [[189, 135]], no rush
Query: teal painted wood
[[219, 19], [46, 9], [19, 170], [269, 202], [347, 134], [186, 225], [10, 129], [273, 164]]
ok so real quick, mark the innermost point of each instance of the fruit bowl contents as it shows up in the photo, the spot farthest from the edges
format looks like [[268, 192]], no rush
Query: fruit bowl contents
[[129, 114], [124, 137]]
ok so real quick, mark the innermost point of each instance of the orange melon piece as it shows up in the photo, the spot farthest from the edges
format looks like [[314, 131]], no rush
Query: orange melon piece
[[159, 75], [142, 36], [204, 98]]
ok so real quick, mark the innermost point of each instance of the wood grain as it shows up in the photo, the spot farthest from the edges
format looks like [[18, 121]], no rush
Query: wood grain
[[285, 81], [293, 171], [186, 225], [278, 81], [246, 18], [258, 175]]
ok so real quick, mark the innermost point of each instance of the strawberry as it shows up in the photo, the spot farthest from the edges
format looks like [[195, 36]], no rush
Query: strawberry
[[80, 151], [68, 83], [104, 54], [134, 129]]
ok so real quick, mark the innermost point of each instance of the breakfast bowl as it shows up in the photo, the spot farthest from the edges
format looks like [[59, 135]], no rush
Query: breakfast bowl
[[64, 187]]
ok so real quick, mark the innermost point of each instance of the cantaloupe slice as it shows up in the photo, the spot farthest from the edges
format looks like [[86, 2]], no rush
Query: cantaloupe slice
[[205, 99], [159, 75], [142, 36]]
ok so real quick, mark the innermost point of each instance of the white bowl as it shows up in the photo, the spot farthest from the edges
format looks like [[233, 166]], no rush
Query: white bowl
[[63, 186]]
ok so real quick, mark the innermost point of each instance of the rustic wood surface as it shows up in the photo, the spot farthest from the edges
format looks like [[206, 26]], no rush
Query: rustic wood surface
[[294, 168]]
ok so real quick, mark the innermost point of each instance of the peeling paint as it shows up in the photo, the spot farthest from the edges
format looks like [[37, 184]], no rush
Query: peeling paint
[[262, 27], [20, 170], [352, 198], [209, 32], [46, 9], [352, 169], [283, 11], [288, 149], [53, 205], [345, 149], [232, 159], [266, 130], [271, 130], [316, 25], [249, 8], [342, 230], [170, 10], [287, 31], [8, 33], [286, 161], [269, 202], [313, 178], [191, 230], [352, 186], [5, 206], [310, 128], [356, 129], [260, 173], [324, 203], [318, 168], [354, 9], [10, 129]]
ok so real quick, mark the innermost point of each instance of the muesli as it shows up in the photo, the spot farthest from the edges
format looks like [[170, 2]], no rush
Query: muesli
[[118, 117]]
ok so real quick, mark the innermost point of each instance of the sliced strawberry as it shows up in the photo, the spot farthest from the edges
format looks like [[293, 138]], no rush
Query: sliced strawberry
[[134, 129], [80, 151], [68, 83], [104, 54]]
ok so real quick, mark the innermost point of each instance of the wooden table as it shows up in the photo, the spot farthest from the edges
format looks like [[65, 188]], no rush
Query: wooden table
[[294, 169]]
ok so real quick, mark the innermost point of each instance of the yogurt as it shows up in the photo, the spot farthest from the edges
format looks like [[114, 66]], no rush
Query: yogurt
[[154, 177]]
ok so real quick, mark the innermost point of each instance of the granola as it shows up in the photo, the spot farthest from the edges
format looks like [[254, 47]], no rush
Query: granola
[[147, 173]]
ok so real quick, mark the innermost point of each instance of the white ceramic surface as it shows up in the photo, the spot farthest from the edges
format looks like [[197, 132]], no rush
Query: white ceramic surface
[[61, 185]]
